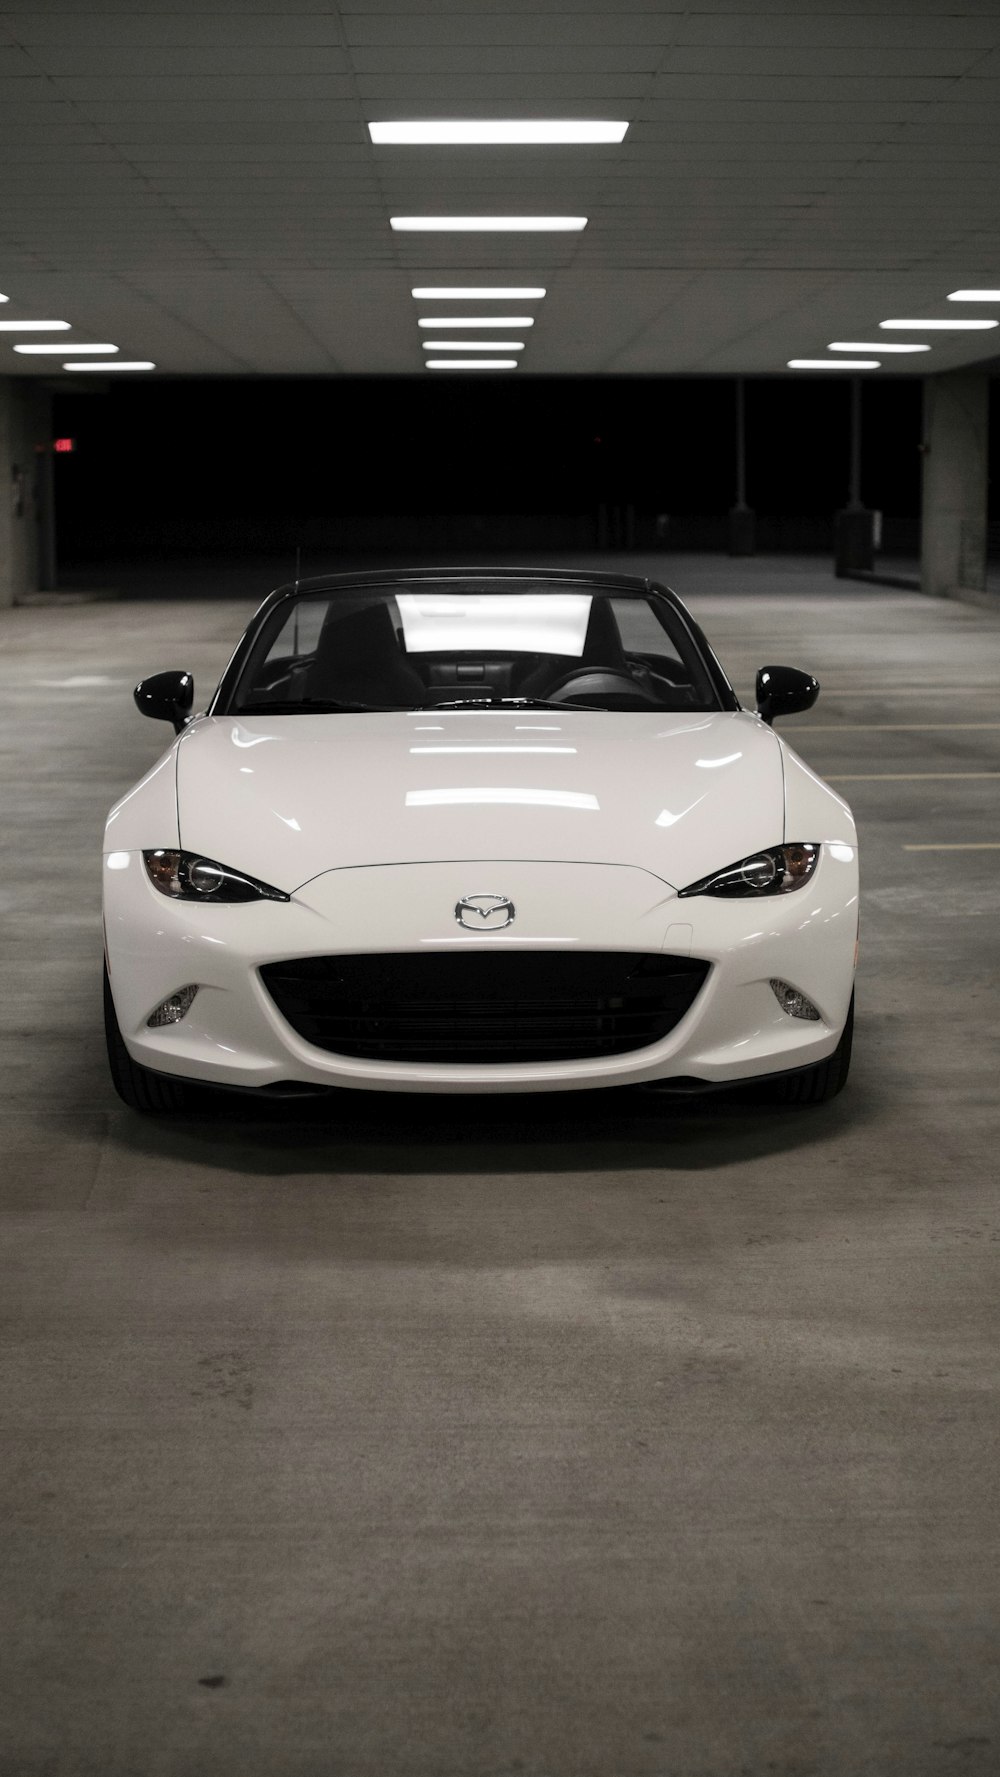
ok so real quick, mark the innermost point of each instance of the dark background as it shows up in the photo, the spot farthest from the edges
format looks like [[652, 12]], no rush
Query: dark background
[[204, 465]]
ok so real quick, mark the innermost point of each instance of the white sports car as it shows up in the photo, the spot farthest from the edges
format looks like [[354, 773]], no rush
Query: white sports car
[[478, 831]]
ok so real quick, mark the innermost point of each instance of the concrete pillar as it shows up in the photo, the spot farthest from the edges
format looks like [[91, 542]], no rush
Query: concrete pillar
[[742, 520], [854, 525], [26, 510], [953, 520]]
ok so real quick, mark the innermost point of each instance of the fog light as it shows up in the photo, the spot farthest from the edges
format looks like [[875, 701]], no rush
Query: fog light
[[793, 1002], [172, 1010]]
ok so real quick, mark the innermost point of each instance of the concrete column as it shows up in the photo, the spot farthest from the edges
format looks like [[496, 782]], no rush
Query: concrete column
[[854, 525], [742, 520], [25, 506], [953, 520], [11, 497]]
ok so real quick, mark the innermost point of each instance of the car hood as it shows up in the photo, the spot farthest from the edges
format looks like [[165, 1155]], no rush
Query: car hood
[[287, 798]]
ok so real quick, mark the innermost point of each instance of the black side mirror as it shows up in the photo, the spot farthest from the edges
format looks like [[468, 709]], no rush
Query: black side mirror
[[781, 690], [167, 697]]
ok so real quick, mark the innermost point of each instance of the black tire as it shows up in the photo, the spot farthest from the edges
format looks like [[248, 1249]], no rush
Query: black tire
[[818, 1084], [137, 1086]]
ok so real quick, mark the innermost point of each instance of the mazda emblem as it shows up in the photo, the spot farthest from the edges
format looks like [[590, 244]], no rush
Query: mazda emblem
[[484, 913]]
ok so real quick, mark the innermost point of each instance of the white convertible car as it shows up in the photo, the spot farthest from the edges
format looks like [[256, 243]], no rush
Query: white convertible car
[[478, 831]]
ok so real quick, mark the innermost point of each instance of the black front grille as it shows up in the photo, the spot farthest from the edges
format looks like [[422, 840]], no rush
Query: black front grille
[[485, 1006]]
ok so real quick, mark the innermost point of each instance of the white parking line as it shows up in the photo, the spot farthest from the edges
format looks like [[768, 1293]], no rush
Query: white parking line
[[912, 691], [905, 777], [892, 727], [977, 845]]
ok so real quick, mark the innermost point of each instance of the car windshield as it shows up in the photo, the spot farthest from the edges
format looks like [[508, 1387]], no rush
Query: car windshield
[[465, 644]]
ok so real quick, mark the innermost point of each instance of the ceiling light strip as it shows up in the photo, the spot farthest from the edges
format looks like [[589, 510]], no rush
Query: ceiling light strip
[[955, 326], [485, 131], [473, 345], [471, 363], [882, 345], [64, 347], [475, 293], [833, 364], [444, 321], [488, 224], [115, 364]]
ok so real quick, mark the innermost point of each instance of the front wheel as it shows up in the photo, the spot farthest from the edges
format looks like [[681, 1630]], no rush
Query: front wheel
[[818, 1084], [137, 1086]]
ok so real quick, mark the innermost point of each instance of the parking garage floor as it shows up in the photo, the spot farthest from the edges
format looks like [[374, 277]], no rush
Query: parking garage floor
[[560, 1438]]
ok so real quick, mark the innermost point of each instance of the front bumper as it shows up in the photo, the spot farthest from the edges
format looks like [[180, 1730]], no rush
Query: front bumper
[[235, 1036]]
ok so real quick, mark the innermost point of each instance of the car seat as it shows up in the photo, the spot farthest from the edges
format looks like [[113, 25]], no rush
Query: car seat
[[602, 647], [358, 660]]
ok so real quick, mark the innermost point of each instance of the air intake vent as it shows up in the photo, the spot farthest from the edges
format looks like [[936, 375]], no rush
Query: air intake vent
[[485, 1006]]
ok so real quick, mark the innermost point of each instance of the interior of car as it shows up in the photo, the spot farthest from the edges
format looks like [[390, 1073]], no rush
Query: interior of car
[[358, 653]]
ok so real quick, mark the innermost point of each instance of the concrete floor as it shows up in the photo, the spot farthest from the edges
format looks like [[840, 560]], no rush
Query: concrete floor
[[569, 1438]]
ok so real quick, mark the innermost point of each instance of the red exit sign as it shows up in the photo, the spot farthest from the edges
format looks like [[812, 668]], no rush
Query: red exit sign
[[63, 444]]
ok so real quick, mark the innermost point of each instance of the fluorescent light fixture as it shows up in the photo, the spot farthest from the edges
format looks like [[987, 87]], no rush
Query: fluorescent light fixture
[[489, 293], [471, 363], [118, 364], [64, 347], [974, 296], [476, 321], [449, 131], [4, 298], [478, 345], [488, 224], [882, 345], [34, 327], [833, 364], [955, 326]]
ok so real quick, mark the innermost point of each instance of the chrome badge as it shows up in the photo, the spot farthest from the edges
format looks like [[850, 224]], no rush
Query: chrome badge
[[484, 913]]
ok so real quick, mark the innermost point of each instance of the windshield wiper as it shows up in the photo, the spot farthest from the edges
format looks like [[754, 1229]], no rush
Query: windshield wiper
[[493, 703]]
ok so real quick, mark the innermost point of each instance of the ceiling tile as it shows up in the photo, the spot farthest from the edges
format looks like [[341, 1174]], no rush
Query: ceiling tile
[[197, 184]]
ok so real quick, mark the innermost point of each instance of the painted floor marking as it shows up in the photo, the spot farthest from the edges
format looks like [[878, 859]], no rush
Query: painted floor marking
[[912, 691], [893, 728], [904, 777], [978, 845]]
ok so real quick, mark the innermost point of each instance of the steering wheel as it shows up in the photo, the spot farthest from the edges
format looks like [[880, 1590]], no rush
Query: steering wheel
[[599, 675]]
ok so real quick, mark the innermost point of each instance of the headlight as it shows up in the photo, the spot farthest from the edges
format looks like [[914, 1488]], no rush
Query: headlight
[[778, 871], [186, 876]]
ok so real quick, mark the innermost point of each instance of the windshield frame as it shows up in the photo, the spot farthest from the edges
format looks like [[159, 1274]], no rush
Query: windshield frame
[[223, 699]]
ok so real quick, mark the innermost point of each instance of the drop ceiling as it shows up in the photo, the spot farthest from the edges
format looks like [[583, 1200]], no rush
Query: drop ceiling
[[195, 182]]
